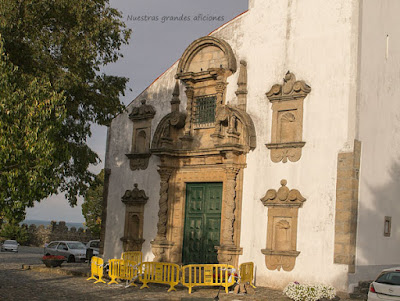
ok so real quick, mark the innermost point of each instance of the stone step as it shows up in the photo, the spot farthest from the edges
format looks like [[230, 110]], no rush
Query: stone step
[[358, 296]]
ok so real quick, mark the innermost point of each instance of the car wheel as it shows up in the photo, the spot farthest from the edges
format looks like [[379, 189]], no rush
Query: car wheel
[[71, 258]]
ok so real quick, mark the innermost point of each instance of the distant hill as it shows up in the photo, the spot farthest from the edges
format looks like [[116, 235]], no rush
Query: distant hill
[[47, 223]]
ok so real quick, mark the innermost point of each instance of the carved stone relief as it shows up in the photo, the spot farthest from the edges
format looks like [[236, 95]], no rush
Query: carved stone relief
[[140, 153], [134, 213], [283, 208], [287, 118]]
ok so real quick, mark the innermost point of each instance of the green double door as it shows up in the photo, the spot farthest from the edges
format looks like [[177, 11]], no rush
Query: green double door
[[202, 222]]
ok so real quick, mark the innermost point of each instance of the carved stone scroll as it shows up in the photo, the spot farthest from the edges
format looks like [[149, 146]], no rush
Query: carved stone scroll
[[283, 208], [287, 119], [134, 213]]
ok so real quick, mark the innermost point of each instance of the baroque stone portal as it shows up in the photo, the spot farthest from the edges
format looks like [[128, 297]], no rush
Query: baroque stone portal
[[282, 227], [206, 143], [287, 118]]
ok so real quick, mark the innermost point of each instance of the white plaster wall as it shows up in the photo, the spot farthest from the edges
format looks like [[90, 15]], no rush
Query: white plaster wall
[[315, 40], [379, 132], [123, 178]]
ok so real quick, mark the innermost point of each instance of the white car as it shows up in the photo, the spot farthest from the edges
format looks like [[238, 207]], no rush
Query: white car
[[386, 286], [10, 245], [72, 250]]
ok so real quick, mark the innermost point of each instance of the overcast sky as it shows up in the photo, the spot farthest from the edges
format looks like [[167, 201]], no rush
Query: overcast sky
[[156, 43]]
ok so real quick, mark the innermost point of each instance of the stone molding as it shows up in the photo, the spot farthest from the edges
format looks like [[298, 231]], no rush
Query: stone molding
[[134, 200], [140, 153], [283, 208], [287, 118]]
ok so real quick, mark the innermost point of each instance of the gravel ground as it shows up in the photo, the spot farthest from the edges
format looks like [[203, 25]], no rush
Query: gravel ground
[[40, 283]]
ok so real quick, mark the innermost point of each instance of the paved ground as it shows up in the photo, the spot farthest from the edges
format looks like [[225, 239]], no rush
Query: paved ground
[[40, 283]]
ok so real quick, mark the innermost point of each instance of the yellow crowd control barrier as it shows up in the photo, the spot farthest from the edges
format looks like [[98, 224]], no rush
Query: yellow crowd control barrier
[[159, 272], [246, 272], [122, 270], [96, 269], [135, 256], [207, 275]]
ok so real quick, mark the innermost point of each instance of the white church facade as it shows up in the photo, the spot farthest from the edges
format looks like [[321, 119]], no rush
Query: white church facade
[[275, 140]]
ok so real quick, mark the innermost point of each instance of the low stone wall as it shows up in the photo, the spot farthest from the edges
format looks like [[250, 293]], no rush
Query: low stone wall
[[40, 235]]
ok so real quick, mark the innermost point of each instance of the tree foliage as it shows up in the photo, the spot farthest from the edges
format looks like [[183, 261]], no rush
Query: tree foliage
[[31, 115], [55, 50], [93, 204]]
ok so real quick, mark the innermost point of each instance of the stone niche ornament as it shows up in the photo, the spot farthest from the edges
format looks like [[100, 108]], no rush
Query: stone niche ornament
[[134, 200], [287, 118], [283, 208], [141, 117]]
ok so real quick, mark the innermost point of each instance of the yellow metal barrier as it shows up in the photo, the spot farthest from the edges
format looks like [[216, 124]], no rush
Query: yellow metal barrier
[[207, 275], [246, 272], [159, 272], [135, 256], [96, 269], [122, 270]]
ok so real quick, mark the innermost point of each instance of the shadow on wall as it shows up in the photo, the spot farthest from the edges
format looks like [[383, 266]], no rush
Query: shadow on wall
[[376, 251]]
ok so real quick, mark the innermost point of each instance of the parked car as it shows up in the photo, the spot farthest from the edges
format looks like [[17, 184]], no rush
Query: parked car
[[94, 244], [10, 245], [72, 250], [386, 286]]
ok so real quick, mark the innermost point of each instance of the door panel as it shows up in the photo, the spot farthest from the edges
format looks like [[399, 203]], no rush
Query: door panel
[[202, 222]]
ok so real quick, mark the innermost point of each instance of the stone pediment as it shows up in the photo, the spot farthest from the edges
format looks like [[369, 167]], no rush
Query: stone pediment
[[135, 196], [283, 197], [290, 89], [143, 112]]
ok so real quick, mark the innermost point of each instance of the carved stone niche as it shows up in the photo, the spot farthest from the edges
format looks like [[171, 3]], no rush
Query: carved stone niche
[[282, 227], [141, 117], [134, 213], [287, 118]]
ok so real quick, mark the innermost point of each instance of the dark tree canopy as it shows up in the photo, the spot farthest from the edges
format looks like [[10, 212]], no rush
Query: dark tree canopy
[[59, 48]]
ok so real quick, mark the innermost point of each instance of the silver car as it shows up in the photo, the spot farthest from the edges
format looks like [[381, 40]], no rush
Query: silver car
[[10, 245], [94, 244], [72, 250]]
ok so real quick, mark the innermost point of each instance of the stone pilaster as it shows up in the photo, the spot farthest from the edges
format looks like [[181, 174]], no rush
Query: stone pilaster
[[228, 252], [189, 107], [160, 244]]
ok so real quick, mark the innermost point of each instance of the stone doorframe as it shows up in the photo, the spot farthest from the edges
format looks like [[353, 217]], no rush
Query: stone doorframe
[[226, 168]]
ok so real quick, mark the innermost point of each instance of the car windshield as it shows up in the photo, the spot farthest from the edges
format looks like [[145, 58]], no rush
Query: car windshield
[[76, 245], [10, 242], [392, 277]]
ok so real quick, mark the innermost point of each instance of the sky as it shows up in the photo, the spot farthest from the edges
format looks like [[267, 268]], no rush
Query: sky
[[161, 31]]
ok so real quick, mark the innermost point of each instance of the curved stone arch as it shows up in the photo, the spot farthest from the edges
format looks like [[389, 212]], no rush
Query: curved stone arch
[[249, 128], [200, 44], [156, 143]]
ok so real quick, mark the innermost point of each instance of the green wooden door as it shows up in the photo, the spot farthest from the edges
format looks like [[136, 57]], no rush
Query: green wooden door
[[202, 222]]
